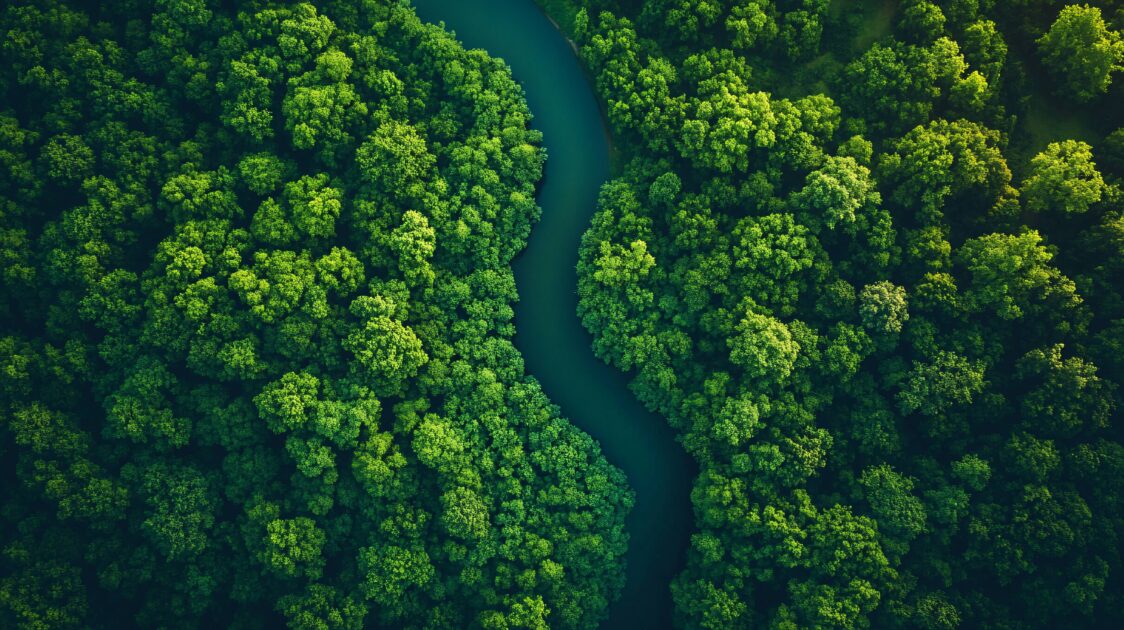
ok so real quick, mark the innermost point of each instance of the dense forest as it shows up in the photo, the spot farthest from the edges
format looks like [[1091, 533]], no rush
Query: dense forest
[[867, 259], [256, 359], [256, 364]]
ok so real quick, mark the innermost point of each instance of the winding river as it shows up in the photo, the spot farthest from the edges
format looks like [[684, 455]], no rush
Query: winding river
[[555, 347]]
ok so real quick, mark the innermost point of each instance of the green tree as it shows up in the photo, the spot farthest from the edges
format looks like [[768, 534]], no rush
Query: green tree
[[1081, 52], [464, 514], [901, 515], [883, 307], [763, 347], [385, 350], [67, 159], [1065, 396], [1010, 275], [180, 509], [837, 191], [315, 205], [293, 547], [289, 403], [322, 608], [934, 387], [394, 158], [390, 572], [944, 160], [1063, 179]]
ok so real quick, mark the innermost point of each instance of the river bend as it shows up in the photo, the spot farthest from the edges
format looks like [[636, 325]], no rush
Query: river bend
[[555, 347]]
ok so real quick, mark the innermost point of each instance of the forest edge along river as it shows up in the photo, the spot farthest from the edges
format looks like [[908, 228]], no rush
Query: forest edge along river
[[555, 347]]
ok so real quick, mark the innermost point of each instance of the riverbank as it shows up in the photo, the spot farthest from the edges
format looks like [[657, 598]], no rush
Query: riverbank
[[556, 348], [561, 15]]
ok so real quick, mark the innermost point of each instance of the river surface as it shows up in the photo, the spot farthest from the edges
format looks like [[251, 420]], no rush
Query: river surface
[[556, 348]]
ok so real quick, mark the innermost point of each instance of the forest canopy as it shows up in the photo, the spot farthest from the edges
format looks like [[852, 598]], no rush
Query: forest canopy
[[866, 259], [256, 363]]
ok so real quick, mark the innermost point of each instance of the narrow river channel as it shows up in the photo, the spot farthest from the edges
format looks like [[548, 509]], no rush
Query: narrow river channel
[[556, 348]]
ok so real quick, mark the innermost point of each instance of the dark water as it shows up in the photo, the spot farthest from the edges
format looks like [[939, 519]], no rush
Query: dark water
[[554, 344]]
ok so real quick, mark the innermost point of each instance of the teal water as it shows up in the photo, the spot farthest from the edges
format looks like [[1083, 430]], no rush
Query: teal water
[[554, 345]]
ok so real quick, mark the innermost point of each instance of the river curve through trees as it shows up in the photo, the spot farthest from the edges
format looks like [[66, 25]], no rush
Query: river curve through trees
[[555, 347]]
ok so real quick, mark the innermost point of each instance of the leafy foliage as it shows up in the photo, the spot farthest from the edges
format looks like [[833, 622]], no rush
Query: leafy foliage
[[884, 321], [256, 360]]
